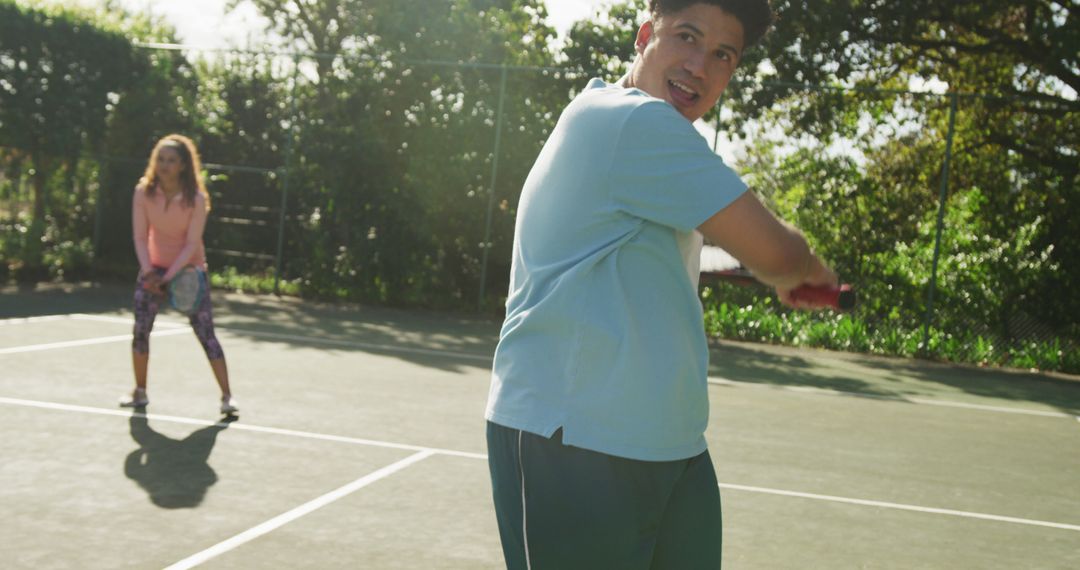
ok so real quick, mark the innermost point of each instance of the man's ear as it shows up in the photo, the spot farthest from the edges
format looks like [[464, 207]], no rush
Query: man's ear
[[644, 35]]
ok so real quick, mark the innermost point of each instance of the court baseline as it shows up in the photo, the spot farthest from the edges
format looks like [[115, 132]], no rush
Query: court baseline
[[899, 506], [84, 342], [259, 334], [718, 381]]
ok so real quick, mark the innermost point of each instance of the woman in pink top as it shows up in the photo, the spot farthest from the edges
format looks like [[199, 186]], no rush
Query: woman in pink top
[[168, 214]]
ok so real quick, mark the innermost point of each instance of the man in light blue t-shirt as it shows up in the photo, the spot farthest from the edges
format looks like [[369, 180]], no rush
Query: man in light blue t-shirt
[[598, 403]]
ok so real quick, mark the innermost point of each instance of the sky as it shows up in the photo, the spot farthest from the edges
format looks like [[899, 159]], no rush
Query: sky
[[204, 23], [563, 13]]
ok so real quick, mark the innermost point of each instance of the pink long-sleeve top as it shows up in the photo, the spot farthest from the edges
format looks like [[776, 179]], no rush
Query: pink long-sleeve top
[[169, 237]]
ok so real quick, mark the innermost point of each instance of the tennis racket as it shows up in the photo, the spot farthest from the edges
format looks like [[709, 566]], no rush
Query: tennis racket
[[187, 289], [716, 263], [841, 298]]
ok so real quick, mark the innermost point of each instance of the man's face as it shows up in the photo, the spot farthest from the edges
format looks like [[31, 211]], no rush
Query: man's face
[[687, 58]]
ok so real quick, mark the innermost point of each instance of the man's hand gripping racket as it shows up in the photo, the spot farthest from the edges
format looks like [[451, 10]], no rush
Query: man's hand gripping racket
[[821, 288], [839, 297]]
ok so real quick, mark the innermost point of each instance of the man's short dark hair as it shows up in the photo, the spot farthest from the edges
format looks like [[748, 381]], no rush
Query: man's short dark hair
[[756, 15]]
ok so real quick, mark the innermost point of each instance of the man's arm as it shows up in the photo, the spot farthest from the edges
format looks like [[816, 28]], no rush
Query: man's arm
[[774, 251]]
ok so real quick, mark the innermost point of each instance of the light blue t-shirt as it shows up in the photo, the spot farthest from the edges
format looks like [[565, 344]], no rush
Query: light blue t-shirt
[[603, 334]]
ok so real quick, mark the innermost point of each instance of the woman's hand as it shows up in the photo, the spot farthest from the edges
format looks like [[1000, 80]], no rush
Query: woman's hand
[[153, 283]]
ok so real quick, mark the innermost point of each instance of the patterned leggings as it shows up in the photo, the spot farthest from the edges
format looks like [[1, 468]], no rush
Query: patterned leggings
[[146, 309]]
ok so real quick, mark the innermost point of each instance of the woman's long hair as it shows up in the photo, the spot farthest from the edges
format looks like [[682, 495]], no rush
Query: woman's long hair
[[191, 180]]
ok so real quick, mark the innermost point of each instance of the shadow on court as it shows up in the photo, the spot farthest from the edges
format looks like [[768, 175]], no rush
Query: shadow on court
[[758, 366], [455, 343], [377, 330], [403, 334], [33, 300], [1013, 385], [888, 377], [176, 474]]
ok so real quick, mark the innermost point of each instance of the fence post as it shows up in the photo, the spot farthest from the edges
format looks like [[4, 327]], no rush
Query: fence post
[[491, 191], [285, 179], [103, 165], [719, 109], [940, 223]]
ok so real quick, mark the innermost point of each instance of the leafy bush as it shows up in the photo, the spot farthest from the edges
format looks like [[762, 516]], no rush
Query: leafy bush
[[70, 260], [231, 279], [763, 320]]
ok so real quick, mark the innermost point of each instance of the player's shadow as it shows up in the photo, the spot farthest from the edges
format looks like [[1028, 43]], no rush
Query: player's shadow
[[175, 473]]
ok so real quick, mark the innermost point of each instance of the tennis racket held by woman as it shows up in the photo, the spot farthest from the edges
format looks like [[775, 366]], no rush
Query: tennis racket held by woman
[[187, 289]]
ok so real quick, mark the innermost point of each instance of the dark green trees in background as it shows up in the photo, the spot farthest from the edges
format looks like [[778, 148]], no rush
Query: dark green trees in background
[[391, 159], [605, 44], [60, 78], [79, 108], [395, 142], [1013, 183], [381, 118]]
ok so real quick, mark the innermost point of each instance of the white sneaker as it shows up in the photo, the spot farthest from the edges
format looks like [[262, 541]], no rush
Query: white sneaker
[[137, 399], [228, 405]]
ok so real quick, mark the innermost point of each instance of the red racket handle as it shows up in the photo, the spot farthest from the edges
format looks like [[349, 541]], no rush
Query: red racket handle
[[841, 298]]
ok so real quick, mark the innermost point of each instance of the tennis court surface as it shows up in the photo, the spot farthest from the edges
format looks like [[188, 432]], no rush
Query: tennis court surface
[[360, 444]]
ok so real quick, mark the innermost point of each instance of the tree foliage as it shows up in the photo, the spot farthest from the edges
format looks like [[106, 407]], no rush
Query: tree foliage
[[382, 122], [395, 218], [59, 78], [1012, 67], [604, 44]]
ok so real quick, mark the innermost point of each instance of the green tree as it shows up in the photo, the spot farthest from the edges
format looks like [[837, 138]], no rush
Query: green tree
[[1018, 139], [604, 44], [396, 131], [326, 27], [61, 76]]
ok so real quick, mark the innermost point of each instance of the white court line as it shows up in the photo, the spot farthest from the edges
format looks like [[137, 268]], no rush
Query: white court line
[[1044, 413], [29, 320], [902, 507], [311, 339], [238, 426], [285, 518], [432, 451], [364, 345], [922, 401], [85, 317], [86, 342], [122, 320]]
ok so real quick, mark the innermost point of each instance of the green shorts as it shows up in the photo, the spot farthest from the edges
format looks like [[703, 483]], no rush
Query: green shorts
[[565, 508]]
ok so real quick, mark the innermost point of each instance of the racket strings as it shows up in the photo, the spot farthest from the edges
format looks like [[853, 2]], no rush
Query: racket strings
[[186, 290]]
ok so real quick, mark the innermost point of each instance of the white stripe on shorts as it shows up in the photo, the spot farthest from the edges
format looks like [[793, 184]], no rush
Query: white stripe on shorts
[[524, 524]]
